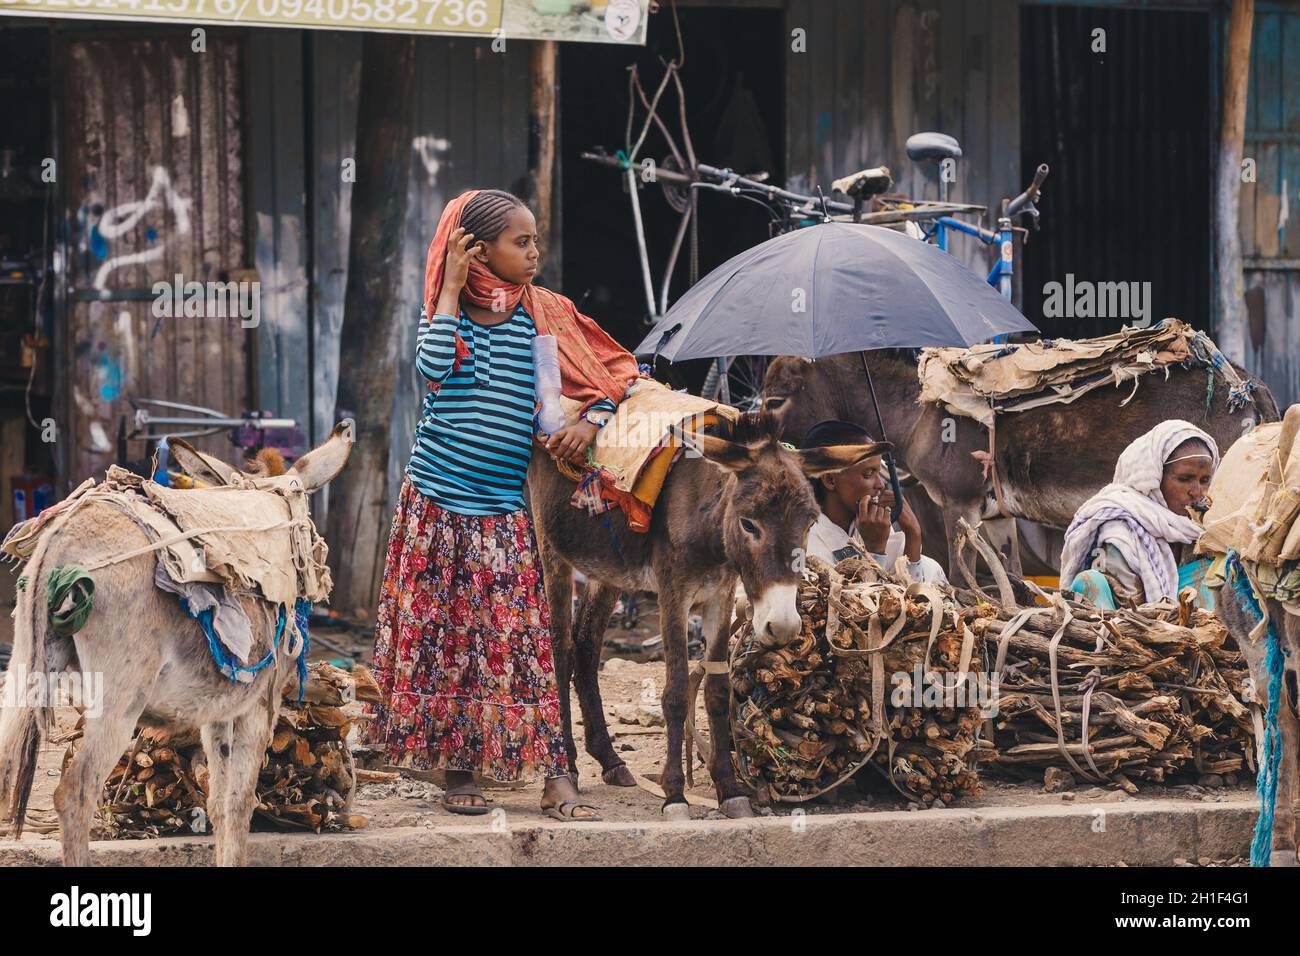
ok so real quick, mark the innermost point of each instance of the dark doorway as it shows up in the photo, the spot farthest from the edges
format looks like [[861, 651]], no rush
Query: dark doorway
[[735, 108], [1128, 135]]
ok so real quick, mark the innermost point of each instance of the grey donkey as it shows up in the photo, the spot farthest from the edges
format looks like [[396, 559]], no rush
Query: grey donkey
[[156, 672]]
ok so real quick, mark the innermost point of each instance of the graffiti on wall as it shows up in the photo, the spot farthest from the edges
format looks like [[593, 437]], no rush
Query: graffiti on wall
[[119, 220]]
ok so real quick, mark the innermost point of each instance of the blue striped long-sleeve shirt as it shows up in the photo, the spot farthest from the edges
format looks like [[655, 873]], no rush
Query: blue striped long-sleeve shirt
[[473, 442]]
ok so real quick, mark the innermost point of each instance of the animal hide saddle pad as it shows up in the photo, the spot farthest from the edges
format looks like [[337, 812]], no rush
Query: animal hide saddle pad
[[980, 381], [1255, 497], [256, 535], [631, 457]]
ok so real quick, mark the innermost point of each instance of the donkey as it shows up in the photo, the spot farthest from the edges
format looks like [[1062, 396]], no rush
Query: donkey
[[737, 505], [1287, 627], [156, 671], [1049, 459]]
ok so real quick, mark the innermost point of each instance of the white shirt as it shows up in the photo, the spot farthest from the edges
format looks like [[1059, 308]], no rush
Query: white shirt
[[826, 537]]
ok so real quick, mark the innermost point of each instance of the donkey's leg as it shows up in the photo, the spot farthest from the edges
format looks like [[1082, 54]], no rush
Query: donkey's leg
[[1255, 653], [673, 607], [588, 641], [217, 740], [104, 740], [557, 576], [733, 798], [1285, 810], [250, 736]]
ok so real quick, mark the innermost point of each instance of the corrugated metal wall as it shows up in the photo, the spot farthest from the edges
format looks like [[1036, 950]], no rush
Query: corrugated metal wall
[[876, 71], [151, 173], [278, 156], [1128, 136], [1270, 240]]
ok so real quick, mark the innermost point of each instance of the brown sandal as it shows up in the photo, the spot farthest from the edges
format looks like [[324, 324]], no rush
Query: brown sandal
[[467, 809]]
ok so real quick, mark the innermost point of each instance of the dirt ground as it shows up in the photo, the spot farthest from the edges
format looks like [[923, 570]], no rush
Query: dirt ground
[[630, 690]]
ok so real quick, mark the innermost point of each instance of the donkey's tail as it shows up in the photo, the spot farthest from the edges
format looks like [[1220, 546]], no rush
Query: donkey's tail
[[23, 722]]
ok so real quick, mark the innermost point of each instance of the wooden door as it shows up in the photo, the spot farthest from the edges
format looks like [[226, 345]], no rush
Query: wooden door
[[151, 158]]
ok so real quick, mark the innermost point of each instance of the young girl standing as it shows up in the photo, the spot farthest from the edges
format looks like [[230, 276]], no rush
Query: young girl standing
[[463, 643]]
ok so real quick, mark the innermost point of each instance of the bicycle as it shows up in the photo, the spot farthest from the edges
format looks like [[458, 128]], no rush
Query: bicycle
[[738, 380]]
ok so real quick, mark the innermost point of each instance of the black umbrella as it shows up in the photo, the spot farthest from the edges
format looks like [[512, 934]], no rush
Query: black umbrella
[[833, 288]]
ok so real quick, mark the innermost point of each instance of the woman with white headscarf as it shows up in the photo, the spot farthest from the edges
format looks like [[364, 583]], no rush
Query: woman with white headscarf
[[1120, 543]]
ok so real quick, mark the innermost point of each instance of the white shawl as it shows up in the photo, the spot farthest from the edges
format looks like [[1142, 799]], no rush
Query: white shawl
[[1131, 514]]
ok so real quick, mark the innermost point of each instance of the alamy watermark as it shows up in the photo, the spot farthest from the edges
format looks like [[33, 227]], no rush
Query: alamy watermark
[[642, 430], [83, 690], [1098, 300], [208, 300], [944, 689]]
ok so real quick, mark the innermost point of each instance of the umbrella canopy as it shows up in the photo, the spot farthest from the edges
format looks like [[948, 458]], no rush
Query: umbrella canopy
[[831, 288]]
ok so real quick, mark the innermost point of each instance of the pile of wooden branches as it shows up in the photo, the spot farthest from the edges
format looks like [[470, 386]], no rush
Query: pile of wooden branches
[[159, 786], [1115, 695], [808, 713], [307, 779], [933, 684]]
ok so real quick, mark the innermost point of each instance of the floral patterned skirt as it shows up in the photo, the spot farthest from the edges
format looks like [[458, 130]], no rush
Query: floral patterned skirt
[[463, 646]]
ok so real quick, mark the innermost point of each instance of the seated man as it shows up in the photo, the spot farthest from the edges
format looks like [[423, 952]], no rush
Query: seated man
[[855, 507]]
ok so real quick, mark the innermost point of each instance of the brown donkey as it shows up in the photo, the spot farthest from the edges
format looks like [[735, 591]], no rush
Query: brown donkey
[[1050, 459], [737, 505]]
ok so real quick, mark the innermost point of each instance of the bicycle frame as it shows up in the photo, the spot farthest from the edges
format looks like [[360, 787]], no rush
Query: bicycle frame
[[1000, 276]]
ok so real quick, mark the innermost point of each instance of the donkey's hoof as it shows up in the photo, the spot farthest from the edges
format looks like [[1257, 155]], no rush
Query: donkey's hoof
[[736, 808], [619, 776], [677, 812]]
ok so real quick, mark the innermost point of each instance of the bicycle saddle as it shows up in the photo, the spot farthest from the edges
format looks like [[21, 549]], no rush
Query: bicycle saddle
[[922, 146]]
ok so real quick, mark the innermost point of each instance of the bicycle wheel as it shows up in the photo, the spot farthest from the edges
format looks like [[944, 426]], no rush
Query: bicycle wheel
[[742, 384]]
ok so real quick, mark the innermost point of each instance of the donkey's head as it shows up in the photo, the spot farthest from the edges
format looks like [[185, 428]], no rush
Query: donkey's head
[[313, 470], [797, 394], [767, 509]]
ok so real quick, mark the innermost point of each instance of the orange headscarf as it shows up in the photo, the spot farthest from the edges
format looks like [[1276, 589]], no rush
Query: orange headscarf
[[592, 364]]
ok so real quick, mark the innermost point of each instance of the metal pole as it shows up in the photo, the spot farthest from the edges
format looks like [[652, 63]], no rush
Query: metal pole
[[640, 243], [897, 510]]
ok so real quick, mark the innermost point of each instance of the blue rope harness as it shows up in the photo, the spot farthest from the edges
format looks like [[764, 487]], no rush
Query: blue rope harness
[[235, 671], [301, 615], [1207, 354], [1261, 847]]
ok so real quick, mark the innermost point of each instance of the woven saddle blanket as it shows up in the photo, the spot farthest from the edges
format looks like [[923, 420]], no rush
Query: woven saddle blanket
[[983, 380], [1255, 501], [630, 460]]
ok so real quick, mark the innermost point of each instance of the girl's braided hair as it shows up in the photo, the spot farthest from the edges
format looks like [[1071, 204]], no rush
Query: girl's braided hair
[[487, 213]]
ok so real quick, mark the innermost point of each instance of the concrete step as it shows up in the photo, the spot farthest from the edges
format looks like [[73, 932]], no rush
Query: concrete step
[[1135, 832]]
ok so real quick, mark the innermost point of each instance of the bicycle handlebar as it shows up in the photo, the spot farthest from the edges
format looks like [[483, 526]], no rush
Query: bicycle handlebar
[[1024, 203], [727, 181], [731, 180]]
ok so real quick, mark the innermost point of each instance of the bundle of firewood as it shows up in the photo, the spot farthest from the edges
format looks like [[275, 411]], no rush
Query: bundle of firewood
[[159, 786], [1116, 695], [808, 713], [307, 778], [933, 684]]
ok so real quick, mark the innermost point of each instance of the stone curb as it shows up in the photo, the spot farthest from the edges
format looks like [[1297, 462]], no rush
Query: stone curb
[[1139, 833]]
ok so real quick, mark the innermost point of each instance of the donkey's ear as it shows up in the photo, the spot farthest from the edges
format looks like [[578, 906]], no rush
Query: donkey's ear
[[823, 461], [723, 453], [197, 464], [318, 467]]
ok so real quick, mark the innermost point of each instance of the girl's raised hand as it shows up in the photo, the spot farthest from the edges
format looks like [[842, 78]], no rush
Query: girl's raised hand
[[460, 249]]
